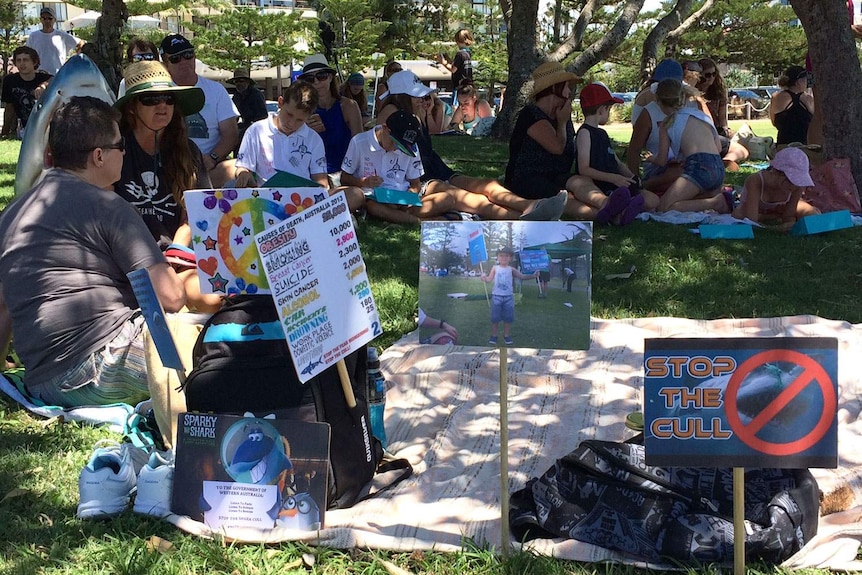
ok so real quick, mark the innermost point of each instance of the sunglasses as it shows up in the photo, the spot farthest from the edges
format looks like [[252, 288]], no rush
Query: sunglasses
[[47, 18], [427, 98], [156, 99], [187, 55], [319, 76], [709, 74], [121, 145], [149, 57]]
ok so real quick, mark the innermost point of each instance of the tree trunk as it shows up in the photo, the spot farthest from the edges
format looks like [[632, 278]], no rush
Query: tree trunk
[[672, 20], [524, 56], [105, 49], [584, 18], [838, 78]]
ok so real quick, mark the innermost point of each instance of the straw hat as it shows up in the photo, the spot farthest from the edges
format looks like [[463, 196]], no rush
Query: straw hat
[[551, 73], [152, 78]]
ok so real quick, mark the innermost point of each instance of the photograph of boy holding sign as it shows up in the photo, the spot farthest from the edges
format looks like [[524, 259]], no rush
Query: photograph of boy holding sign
[[503, 294]]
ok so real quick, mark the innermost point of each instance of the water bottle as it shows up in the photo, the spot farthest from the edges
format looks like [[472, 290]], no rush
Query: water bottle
[[376, 394]]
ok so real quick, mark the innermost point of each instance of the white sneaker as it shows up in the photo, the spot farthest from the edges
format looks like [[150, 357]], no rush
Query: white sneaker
[[155, 483], [107, 482]]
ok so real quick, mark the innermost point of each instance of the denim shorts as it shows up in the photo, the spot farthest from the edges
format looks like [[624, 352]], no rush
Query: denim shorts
[[704, 170], [503, 308]]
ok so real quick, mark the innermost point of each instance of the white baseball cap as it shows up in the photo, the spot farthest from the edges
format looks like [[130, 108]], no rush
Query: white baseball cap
[[406, 82]]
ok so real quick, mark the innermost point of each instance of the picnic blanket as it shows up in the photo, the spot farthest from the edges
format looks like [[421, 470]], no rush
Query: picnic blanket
[[442, 413]]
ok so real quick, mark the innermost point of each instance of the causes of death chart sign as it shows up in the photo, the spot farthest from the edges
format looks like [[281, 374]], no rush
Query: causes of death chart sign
[[318, 280], [744, 402]]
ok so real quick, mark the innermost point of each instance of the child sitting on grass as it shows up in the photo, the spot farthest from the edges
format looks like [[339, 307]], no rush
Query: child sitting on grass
[[284, 142], [604, 185], [774, 195], [688, 134], [387, 157]]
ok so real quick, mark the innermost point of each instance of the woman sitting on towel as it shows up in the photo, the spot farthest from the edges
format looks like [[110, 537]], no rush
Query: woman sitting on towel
[[774, 195], [792, 109], [161, 162], [485, 198]]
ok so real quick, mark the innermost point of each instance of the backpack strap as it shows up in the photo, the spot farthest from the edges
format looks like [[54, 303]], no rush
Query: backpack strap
[[387, 465]]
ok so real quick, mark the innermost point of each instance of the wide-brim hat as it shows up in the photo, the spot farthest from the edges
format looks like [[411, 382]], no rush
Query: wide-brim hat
[[315, 63], [153, 78], [241, 74], [549, 74]]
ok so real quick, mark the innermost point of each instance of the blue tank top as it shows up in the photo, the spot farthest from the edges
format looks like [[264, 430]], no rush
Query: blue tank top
[[335, 137]]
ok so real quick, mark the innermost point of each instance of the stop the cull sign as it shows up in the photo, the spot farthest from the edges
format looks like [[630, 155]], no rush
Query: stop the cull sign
[[747, 402], [318, 281]]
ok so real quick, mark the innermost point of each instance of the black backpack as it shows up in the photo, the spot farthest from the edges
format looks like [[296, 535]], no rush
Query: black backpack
[[241, 363], [604, 493]]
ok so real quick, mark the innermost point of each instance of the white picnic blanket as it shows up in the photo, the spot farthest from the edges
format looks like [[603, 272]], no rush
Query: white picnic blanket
[[442, 413]]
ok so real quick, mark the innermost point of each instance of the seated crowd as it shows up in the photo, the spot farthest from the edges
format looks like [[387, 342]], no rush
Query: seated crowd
[[112, 202]]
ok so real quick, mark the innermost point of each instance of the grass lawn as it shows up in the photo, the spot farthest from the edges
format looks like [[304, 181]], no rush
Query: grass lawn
[[541, 323], [676, 274]]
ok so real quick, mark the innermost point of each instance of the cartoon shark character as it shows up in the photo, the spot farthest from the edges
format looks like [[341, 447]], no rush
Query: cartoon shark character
[[299, 511], [259, 458]]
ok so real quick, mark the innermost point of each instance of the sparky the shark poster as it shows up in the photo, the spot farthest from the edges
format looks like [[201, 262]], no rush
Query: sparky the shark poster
[[246, 473]]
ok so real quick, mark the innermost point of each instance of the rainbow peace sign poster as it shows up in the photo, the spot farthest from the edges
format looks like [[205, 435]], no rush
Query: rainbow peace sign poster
[[223, 224]]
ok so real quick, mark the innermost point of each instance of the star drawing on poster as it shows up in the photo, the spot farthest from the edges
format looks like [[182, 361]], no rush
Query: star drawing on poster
[[218, 283]]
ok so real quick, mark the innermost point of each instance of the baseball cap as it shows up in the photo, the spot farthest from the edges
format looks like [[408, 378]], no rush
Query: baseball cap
[[356, 79], [795, 73], [506, 250], [404, 129], [667, 68], [406, 82], [47, 10], [174, 44], [596, 94], [793, 163], [692, 66]]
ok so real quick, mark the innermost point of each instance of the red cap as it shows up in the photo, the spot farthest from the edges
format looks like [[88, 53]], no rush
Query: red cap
[[597, 94]]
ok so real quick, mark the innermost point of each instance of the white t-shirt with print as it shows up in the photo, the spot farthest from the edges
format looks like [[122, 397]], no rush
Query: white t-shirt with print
[[203, 125], [266, 149], [366, 157]]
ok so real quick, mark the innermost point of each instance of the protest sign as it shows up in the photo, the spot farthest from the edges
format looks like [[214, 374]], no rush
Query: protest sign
[[321, 290], [741, 402], [223, 225], [154, 315]]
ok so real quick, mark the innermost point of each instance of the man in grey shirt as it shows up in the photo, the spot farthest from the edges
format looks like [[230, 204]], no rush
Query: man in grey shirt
[[65, 249]]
